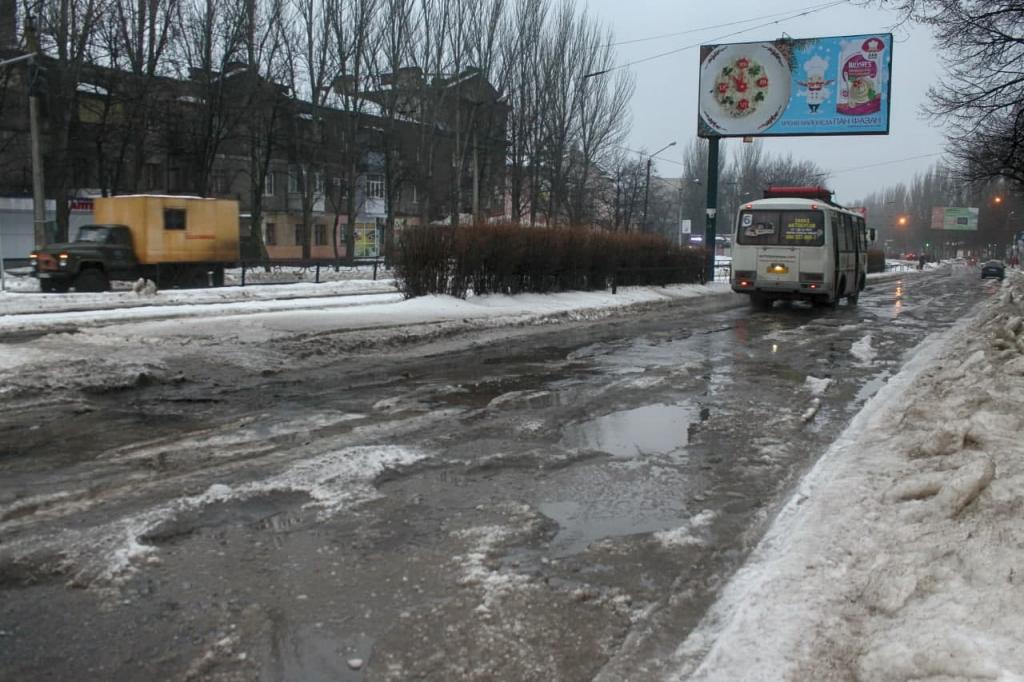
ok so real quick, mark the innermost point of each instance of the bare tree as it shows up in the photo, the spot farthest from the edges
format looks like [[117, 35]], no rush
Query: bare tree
[[312, 59], [266, 31], [67, 32], [628, 173], [395, 41], [522, 55], [136, 35], [212, 50], [351, 25], [981, 97]]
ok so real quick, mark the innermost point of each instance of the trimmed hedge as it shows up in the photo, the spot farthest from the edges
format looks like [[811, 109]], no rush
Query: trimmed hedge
[[876, 260], [512, 259]]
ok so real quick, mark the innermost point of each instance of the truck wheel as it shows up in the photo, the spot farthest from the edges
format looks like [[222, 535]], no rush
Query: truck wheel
[[218, 276], [92, 280], [46, 285]]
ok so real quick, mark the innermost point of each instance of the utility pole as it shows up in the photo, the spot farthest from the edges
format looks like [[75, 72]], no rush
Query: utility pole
[[647, 184], [38, 190], [476, 180]]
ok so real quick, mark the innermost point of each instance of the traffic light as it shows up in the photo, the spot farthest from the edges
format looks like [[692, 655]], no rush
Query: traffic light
[[37, 80]]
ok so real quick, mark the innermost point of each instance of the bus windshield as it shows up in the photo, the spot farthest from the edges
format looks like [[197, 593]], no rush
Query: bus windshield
[[781, 228]]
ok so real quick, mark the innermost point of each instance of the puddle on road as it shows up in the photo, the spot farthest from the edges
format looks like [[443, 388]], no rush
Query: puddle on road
[[314, 654], [650, 430], [642, 490], [273, 512], [616, 499]]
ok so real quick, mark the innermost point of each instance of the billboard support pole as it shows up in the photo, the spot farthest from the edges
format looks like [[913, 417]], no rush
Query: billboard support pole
[[712, 208]]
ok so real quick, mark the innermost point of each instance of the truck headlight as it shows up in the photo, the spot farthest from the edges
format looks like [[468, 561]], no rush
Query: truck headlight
[[62, 260]]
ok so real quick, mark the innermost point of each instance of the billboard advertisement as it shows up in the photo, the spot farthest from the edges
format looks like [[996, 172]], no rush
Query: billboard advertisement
[[836, 85], [961, 219]]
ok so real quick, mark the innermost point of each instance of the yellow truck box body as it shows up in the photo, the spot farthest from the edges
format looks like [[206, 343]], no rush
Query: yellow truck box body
[[169, 229]]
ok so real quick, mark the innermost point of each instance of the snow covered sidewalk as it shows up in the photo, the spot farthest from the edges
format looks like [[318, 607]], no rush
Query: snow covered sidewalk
[[23, 300], [901, 555]]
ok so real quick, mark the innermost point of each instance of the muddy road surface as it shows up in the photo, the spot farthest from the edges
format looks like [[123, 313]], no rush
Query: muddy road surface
[[542, 503]]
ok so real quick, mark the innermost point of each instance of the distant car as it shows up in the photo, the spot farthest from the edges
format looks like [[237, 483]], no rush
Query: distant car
[[993, 268]]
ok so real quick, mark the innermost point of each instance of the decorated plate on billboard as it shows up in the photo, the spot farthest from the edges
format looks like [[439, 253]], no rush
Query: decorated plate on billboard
[[750, 86], [835, 85]]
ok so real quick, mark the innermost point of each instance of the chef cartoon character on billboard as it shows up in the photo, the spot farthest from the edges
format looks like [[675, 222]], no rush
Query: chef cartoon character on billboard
[[817, 91]]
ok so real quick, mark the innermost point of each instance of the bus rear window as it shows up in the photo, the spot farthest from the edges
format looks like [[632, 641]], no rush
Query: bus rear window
[[758, 227], [803, 228]]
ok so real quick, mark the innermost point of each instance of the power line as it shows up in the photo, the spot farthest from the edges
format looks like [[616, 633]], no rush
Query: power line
[[725, 25], [712, 40], [876, 165]]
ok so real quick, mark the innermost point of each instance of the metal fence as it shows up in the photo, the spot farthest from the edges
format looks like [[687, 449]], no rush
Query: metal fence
[[314, 264]]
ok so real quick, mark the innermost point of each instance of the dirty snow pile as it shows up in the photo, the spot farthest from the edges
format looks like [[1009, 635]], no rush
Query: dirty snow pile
[[901, 555]]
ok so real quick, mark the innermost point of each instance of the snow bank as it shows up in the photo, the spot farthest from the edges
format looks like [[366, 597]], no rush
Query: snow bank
[[898, 558], [23, 295]]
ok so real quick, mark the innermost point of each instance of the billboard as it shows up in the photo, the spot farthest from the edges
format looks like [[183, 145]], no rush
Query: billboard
[[954, 218], [836, 85]]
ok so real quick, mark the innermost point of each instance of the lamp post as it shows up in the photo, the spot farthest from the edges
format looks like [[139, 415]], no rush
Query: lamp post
[[902, 222], [647, 184]]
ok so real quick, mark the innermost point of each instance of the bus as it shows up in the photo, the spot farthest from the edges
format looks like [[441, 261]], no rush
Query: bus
[[797, 244]]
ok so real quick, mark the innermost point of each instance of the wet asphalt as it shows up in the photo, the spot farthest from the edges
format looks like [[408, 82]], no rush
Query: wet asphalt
[[580, 495]]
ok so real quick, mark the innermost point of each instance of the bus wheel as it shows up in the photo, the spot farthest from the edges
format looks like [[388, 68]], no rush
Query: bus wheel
[[826, 301], [761, 302]]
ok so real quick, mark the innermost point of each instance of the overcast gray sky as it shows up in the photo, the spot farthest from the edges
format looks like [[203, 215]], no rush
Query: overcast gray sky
[[664, 106]]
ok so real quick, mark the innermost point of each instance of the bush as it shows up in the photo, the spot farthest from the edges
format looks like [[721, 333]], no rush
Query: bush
[[876, 260], [512, 259]]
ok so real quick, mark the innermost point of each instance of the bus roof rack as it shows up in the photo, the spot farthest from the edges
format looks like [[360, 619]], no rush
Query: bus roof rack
[[809, 192]]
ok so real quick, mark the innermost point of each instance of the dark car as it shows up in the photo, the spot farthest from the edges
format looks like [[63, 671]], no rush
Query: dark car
[[993, 268]]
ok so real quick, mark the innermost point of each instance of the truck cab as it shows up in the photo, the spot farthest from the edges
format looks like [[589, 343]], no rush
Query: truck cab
[[98, 254]]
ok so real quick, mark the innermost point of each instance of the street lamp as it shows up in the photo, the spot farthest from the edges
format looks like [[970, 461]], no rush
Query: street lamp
[[647, 185], [902, 221]]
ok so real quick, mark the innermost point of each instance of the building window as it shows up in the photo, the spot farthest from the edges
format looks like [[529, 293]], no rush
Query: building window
[[298, 235], [320, 183], [174, 219], [321, 235], [271, 234], [374, 186], [293, 179], [268, 184], [415, 196]]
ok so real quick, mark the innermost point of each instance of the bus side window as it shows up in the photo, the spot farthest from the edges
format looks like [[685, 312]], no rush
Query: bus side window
[[848, 228], [862, 234]]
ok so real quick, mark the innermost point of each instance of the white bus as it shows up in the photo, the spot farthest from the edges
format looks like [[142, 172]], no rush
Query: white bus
[[796, 244]]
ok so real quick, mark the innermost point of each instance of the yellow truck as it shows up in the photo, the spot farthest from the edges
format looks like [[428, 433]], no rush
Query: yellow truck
[[174, 241]]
